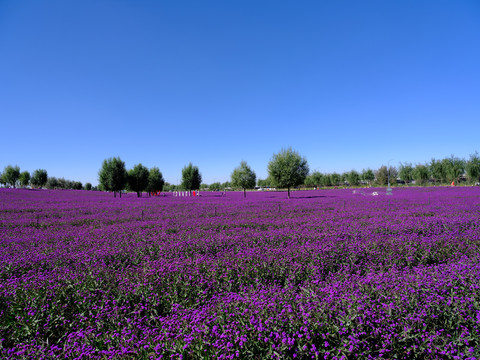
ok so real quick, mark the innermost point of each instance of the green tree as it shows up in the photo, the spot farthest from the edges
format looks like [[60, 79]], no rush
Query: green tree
[[137, 179], [335, 178], [155, 180], [77, 185], [437, 171], [473, 168], [353, 178], [11, 175], [263, 183], [381, 175], [216, 186], [39, 178], [244, 177], [113, 175], [52, 183], [24, 178], [454, 167], [420, 174], [2, 180], [226, 184], [287, 168], [406, 172], [88, 186], [368, 176], [327, 180], [191, 177]]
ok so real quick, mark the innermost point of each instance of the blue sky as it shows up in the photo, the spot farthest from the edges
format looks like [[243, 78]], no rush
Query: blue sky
[[348, 84]]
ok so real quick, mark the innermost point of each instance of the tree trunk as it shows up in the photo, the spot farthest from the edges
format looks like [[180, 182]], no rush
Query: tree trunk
[[138, 194], [114, 194], [120, 192], [244, 193], [288, 190]]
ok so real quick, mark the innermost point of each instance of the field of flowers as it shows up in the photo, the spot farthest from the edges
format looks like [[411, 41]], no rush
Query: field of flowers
[[327, 274]]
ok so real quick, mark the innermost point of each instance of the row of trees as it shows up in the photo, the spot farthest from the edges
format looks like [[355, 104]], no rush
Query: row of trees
[[113, 176], [437, 171], [13, 177], [286, 169]]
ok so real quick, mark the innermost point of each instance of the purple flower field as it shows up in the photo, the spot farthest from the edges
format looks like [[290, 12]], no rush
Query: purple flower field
[[328, 274]]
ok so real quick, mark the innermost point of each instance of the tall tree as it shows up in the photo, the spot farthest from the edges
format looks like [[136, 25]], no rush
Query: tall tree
[[287, 168], [39, 178], [368, 175], [11, 175], [24, 178], [113, 175], [244, 177], [335, 178], [264, 183], [52, 183], [454, 168], [155, 180], [353, 178], [420, 174], [381, 175], [191, 177], [405, 172], [88, 186], [473, 168], [216, 186], [138, 179], [437, 170]]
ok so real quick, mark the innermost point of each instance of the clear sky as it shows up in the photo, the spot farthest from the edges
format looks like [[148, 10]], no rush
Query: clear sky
[[348, 84]]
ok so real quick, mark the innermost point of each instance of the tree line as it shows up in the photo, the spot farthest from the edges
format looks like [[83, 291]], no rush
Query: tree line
[[286, 169]]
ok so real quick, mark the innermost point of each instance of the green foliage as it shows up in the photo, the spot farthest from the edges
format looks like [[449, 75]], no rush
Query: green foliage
[[10, 175], [406, 172], [76, 185], [138, 179], [39, 178], [353, 178], [327, 180], [287, 169], [454, 167], [226, 184], [368, 175], [88, 186], [381, 175], [264, 183], [155, 180], [52, 183], [112, 175], [215, 186], [24, 178], [191, 177], [473, 168], [244, 177], [420, 174], [335, 179], [437, 171]]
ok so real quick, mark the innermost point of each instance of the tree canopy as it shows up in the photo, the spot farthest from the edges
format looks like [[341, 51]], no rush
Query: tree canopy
[[39, 178], [155, 180], [112, 175], [287, 169], [191, 177], [138, 179], [244, 177], [24, 178], [10, 175], [473, 167]]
